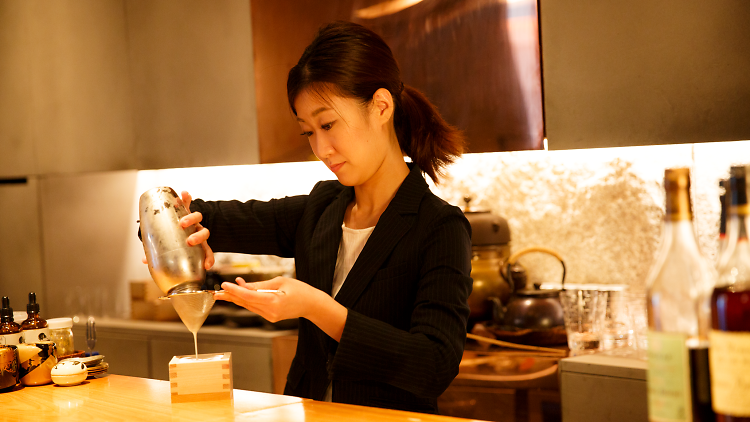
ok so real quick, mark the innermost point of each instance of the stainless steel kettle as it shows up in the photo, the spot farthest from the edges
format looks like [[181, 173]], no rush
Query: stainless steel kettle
[[530, 308], [175, 266]]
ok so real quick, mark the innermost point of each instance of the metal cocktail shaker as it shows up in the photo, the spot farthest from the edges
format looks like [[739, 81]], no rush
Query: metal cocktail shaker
[[175, 266]]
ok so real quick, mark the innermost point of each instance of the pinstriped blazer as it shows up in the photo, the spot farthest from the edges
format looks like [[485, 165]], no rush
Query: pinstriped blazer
[[406, 294]]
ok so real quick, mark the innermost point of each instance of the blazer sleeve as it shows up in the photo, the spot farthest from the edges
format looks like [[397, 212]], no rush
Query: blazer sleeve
[[425, 359], [252, 227]]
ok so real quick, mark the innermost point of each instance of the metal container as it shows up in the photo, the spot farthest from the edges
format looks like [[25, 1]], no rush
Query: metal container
[[175, 266], [9, 367]]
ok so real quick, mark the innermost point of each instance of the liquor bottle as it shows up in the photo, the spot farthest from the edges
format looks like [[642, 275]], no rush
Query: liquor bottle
[[730, 312], [34, 327], [679, 285], [723, 216]]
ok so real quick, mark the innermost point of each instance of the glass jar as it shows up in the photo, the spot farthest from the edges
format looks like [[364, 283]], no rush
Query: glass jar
[[61, 332]]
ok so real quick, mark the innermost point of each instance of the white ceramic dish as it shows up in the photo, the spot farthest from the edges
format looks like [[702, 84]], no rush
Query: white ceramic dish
[[69, 372]]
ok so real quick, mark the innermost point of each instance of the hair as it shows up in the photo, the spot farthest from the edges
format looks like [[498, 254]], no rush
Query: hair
[[349, 60]]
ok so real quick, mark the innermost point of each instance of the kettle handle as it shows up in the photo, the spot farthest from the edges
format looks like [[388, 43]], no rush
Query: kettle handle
[[514, 257]]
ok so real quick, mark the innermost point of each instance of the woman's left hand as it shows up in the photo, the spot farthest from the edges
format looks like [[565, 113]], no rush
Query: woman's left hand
[[294, 299]]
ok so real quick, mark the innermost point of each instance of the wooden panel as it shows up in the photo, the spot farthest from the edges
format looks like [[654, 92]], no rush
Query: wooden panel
[[491, 47], [283, 349], [202, 377], [191, 66], [280, 35], [644, 72], [82, 117], [544, 406], [492, 404]]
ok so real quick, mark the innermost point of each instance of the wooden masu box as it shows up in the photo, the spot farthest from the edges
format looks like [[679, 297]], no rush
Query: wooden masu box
[[207, 377]]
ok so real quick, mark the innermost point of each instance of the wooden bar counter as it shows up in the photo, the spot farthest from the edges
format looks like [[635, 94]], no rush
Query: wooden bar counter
[[121, 398]]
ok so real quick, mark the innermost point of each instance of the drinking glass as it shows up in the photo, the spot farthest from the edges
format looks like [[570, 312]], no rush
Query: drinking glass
[[618, 337], [636, 305], [584, 312]]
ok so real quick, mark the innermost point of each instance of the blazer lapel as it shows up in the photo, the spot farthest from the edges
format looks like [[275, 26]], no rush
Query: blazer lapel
[[325, 241], [396, 220]]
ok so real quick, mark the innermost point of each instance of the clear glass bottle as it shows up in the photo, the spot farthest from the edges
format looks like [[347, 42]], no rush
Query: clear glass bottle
[[730, 306], [679, 286]]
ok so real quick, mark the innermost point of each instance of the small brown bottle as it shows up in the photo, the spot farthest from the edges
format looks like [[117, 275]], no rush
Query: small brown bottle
[[10, 331], [34, 327]]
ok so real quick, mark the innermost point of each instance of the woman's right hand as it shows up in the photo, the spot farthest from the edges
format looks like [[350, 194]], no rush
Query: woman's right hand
[[200, 237]]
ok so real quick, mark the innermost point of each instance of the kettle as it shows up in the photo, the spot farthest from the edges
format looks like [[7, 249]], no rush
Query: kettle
[[175, 266], [530, 308], [490, 246]]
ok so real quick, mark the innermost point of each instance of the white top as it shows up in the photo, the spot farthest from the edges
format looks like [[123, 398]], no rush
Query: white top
[[352, 243]]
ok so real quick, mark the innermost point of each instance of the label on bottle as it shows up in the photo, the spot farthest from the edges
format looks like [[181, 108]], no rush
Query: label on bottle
[[11, 339], [33, 336], [729, 358], [668, 377]]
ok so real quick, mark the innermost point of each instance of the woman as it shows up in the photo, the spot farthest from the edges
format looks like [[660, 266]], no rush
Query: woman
[[382, 263]]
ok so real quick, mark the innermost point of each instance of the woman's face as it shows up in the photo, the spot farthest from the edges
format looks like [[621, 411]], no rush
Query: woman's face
[[347, 136]]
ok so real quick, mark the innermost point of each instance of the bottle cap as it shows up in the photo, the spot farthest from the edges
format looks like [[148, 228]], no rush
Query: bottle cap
[[32, 305], [677, 187], [6, 312], [57, 323]]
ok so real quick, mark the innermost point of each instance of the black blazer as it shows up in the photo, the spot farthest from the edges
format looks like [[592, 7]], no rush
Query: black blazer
[[406, 294]]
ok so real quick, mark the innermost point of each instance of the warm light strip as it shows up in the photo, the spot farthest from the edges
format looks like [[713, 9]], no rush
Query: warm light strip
[[385, 8]]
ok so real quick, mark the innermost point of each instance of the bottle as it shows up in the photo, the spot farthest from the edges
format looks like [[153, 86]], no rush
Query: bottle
[[34, 327], [730, 312], [679, 286], [10, 332], [724, 201]]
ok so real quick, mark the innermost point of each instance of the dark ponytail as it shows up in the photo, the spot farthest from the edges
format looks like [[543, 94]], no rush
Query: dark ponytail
[[349, 60]]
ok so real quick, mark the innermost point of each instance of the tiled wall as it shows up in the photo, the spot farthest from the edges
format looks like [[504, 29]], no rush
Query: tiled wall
[[600, 208]]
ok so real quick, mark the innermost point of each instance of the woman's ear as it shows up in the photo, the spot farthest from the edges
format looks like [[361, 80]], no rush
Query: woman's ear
[[383, 105]]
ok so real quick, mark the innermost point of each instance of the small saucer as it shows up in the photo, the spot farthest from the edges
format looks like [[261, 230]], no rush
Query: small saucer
[[89, 361]]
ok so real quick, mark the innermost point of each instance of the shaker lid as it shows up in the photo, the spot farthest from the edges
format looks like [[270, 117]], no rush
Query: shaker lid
[[57, 323], [487, 229]]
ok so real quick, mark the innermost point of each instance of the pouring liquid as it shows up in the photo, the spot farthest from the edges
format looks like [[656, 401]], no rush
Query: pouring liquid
[[193, 309]]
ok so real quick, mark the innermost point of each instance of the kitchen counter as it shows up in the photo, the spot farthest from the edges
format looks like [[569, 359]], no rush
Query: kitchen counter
[[116, 397], [144, 348]]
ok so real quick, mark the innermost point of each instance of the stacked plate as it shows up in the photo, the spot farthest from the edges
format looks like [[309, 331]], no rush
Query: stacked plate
[[95, 364]]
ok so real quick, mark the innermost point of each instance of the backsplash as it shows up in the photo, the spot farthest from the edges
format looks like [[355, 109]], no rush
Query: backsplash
[[602, 209]]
